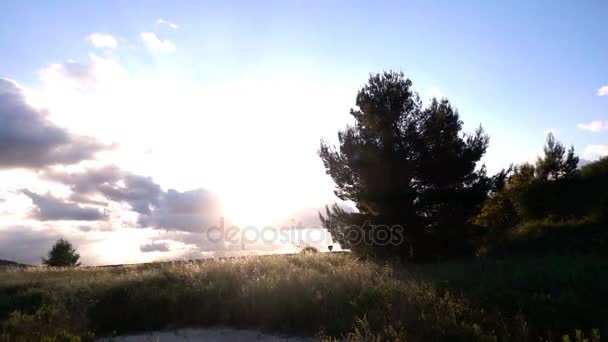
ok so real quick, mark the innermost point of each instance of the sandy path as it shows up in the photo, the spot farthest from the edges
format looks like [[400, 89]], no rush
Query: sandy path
[[210, 335]]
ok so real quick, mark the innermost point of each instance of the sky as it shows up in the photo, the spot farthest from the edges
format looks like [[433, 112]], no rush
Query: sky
[[130, 127]]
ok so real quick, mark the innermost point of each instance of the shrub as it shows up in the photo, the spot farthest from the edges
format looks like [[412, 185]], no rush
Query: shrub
[[309, 250]]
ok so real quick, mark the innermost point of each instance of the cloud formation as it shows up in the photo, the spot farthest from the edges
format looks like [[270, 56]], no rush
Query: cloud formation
[[112, 183], [50, 208], [593, 152], [193, 210], [168, 23], [71, 74], [188, 211], [100, 40], [29, 140], [156, 44], [603, 91], [154, 247], [595, 126]]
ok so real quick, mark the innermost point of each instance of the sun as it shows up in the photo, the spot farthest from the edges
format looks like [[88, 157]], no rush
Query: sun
[[258, 206]]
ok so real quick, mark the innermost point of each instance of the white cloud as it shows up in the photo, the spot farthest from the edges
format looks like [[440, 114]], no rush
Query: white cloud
[[154, 43], [603, 91], [595, 126], [593, 152], [436, 93], [100, 40], [168, 23], [117, 102]]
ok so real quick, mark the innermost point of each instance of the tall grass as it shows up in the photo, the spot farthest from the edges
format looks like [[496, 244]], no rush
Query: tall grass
[[328, 295]]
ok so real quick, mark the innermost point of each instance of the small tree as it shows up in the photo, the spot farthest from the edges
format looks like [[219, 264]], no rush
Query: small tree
[[62, 255]]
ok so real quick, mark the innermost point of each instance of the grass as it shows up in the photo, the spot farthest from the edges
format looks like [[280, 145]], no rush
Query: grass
[[550, 236], [327, 295]]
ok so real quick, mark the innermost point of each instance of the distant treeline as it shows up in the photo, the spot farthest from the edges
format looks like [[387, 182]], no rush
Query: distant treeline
[[531, 192]]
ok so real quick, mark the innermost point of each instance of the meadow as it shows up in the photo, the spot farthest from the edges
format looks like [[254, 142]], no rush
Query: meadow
[[330, 296]]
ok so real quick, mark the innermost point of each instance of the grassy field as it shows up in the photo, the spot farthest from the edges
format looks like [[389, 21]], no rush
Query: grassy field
[[330, 295]]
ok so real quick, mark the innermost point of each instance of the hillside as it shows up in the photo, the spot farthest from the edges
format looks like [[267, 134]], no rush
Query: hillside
[[328, 296], [10, 263]]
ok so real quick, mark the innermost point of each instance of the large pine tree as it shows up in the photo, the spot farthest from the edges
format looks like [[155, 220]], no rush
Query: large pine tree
[[404, 166]]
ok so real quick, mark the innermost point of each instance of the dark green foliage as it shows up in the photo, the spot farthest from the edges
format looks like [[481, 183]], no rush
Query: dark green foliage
[[553, 189], [21, 298], [548, 208], [594, 184], [62, 255], [556, 163], [580, 336], [403, 164], [575, 237]]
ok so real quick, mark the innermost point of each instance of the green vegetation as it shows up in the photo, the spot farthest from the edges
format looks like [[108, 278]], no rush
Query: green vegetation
[[62, 255], [553, 189], [328, 295], [405, 166], [540, 212], [414, 178]]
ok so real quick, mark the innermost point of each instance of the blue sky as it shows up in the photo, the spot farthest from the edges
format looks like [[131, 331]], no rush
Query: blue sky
[[230, 98], [517, 67]]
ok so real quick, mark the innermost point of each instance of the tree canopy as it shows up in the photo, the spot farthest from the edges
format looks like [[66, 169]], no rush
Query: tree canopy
[[554, 189], [406, 167], [556, 162]]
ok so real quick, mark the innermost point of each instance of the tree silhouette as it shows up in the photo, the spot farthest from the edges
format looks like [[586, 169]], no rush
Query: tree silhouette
[[62, 255], [550, 188], [556, 163], [404, 165]]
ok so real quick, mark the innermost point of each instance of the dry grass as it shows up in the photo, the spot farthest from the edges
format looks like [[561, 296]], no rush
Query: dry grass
[[318, 294]]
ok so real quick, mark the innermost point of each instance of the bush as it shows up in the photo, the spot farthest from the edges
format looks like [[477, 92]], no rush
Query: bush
[[551, 237], [309, 250], [535, 215]]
